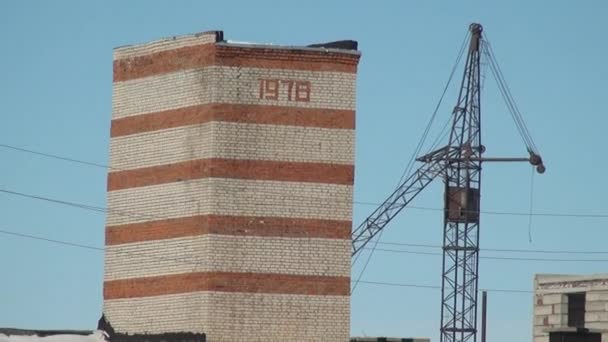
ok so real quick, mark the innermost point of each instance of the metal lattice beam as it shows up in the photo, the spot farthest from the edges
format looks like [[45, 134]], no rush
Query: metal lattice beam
[[459, 164], [462, 187]]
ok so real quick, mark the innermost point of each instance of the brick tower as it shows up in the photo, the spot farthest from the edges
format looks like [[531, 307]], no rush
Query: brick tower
[[230, 190]]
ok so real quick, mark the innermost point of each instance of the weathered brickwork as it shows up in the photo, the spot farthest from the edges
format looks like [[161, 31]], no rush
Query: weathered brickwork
[[227, 225], [133, 64], [230, 190], [127, 53], [260, 114], [251, 254], [236, 197], [232, 168], [268, 317], [218, 84], [551, 303], [229, 140]]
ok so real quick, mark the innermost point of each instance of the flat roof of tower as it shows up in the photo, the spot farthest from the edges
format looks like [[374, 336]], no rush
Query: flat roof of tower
[[340, 46]]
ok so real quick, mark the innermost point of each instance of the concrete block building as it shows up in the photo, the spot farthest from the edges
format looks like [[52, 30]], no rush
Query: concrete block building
[[230, 190], [571, 308]]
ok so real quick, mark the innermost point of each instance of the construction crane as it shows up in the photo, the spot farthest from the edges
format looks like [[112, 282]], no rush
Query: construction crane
[[459, 163]]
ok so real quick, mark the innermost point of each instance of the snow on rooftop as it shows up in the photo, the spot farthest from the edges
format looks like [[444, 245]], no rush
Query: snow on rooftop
[[96, 336], [230, 41]]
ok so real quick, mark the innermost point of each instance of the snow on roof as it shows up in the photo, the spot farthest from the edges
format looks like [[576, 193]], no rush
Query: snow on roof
[[96, 336], [229, 41]]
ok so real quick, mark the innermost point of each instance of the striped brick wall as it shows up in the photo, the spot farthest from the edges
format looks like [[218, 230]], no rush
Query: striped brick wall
[[230, 190]]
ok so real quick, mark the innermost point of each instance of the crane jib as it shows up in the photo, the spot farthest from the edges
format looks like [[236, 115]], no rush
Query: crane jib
[[459, 164]]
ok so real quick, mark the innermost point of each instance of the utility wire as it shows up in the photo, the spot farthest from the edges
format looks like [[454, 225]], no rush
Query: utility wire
[[81, 205], [158, 217], [434, 287], [55, 156], [101, 209], [417, 151], [492, 212], [494, 257], [59, 242], [131, 214], [57, 201], [369, 258], [101, 249], [540, 251], [78, 245], [378, 249]]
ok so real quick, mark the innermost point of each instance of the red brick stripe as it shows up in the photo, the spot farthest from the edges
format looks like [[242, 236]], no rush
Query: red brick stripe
[[232, 168], [273, 58], [227, 225], [258, 114], [227, 282], [200, 56], [162, 62]]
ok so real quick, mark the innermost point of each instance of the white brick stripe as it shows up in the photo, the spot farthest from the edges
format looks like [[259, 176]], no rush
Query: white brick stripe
[[157, 93], [222, 84], [233, 141], [160, 314], [165, 44], [247, 317], [208, 253], [237, 197]]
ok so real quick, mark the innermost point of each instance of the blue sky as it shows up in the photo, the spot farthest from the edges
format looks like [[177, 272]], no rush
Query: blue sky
[[55, 97]]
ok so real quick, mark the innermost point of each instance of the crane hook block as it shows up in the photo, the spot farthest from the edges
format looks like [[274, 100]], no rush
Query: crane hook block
[[537, 161], [541, 169]]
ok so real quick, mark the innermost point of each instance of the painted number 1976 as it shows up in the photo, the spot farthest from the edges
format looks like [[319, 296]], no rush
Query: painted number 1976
[[271, 89]]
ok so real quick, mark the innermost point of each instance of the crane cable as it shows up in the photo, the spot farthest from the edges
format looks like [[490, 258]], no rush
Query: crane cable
[[515, 114], [410, 164], [418, 149], [369, 258], [531, 206], [508, 97]]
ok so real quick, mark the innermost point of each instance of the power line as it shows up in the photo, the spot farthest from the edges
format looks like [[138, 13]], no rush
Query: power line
[[433, 287], [494, 257], [55, 156], [489, 212], [400, 284], [378, 249], [542, 251], [369, 258], [81, 205], [59, 242], [492, 212], [57, 201], [150, 216], [101, 249], [127, 213]]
